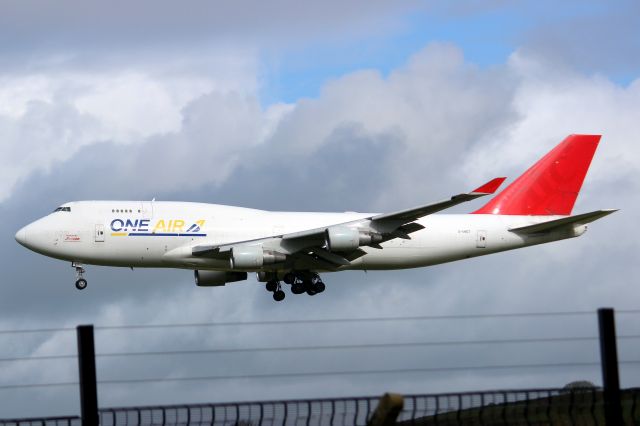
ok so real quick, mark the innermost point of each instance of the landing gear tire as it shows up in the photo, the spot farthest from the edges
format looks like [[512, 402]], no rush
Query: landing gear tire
[[297, 289], [81, 284], [319, 287], [310, 288], [278, 295], [289, 278], [272, 286]]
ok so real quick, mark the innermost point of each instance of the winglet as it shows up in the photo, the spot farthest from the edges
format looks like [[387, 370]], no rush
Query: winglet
[[489, 187]]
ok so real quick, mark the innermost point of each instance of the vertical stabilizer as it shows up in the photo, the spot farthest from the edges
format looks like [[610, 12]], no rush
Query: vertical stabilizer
[[551, 186]]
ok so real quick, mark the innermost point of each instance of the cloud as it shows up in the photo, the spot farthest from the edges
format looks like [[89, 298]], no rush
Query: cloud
[[77, 24], [46, 118], [593, 37], [551, 104], [428, 129]]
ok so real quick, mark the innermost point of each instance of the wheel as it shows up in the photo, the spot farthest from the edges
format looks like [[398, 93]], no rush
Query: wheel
[[312, 292], [308, 285], [278, 295], [297, 289], [319, 287], [289, 278], [81, 284], [271, 286]]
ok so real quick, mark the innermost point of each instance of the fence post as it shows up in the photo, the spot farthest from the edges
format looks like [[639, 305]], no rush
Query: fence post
[[609, 360], [388, 410], [87, 374]]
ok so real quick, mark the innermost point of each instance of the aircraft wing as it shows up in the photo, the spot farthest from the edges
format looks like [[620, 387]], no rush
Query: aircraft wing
[[311, 244], [415, 213]]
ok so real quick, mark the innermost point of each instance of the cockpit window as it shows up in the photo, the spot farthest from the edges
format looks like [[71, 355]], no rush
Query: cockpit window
[[63, 209]]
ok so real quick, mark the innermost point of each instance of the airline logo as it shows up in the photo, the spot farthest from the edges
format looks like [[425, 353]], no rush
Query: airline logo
[[158, 228]]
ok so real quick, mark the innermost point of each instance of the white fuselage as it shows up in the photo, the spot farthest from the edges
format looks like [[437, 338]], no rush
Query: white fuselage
[[161, 234]]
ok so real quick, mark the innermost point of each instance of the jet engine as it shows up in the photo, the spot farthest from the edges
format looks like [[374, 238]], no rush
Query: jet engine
[[343, 238], [252, 257], [217, 278]]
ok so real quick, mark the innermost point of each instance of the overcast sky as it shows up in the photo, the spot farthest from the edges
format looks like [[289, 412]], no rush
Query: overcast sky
[[314, 106]]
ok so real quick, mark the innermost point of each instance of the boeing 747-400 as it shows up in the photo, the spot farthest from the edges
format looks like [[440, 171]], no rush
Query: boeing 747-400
[[223, 243]]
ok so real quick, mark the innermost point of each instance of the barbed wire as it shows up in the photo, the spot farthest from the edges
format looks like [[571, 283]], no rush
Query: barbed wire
[[320, 347], [38, 330], [363, 319], [319, 320], [320, 373]]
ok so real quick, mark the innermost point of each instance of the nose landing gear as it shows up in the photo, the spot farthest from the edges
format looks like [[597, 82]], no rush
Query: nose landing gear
[[81, 283]]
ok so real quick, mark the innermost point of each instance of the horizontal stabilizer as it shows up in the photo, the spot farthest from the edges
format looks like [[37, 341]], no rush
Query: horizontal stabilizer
[[580, 219]]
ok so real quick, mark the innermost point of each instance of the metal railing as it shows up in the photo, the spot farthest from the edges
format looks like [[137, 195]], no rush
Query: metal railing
[[519, 407], [538, 406], [341, 411], [525, 407]]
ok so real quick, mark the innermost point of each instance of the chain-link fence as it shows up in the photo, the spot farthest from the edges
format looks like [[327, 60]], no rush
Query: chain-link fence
[[525, 407]]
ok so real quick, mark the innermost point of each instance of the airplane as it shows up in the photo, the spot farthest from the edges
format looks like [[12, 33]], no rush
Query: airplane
[[222, 244]]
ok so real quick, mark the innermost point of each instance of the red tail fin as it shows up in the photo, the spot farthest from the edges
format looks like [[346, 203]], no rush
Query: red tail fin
[[551, 186]]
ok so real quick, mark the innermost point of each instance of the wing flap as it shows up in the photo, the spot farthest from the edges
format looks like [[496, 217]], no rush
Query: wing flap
[[330, 257], [316, 233], [580, 219]]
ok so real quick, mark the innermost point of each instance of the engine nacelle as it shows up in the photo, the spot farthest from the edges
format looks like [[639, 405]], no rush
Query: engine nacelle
[[367, 238], [253, 257], [343, 238], [217, 278]]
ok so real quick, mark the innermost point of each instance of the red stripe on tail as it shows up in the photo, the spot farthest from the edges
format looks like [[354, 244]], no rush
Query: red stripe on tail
[[551, 186]]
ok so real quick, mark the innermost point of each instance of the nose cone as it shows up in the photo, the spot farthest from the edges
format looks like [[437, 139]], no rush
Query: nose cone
[[37, 237], [21, 236]]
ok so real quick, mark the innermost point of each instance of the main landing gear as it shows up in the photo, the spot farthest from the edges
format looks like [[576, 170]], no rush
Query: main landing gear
[[300, 282], [275, 287], [81, 283]]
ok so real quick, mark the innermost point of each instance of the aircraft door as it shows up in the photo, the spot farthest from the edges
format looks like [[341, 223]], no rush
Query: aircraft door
[[146, 209], [99, 233], [481, 241]]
